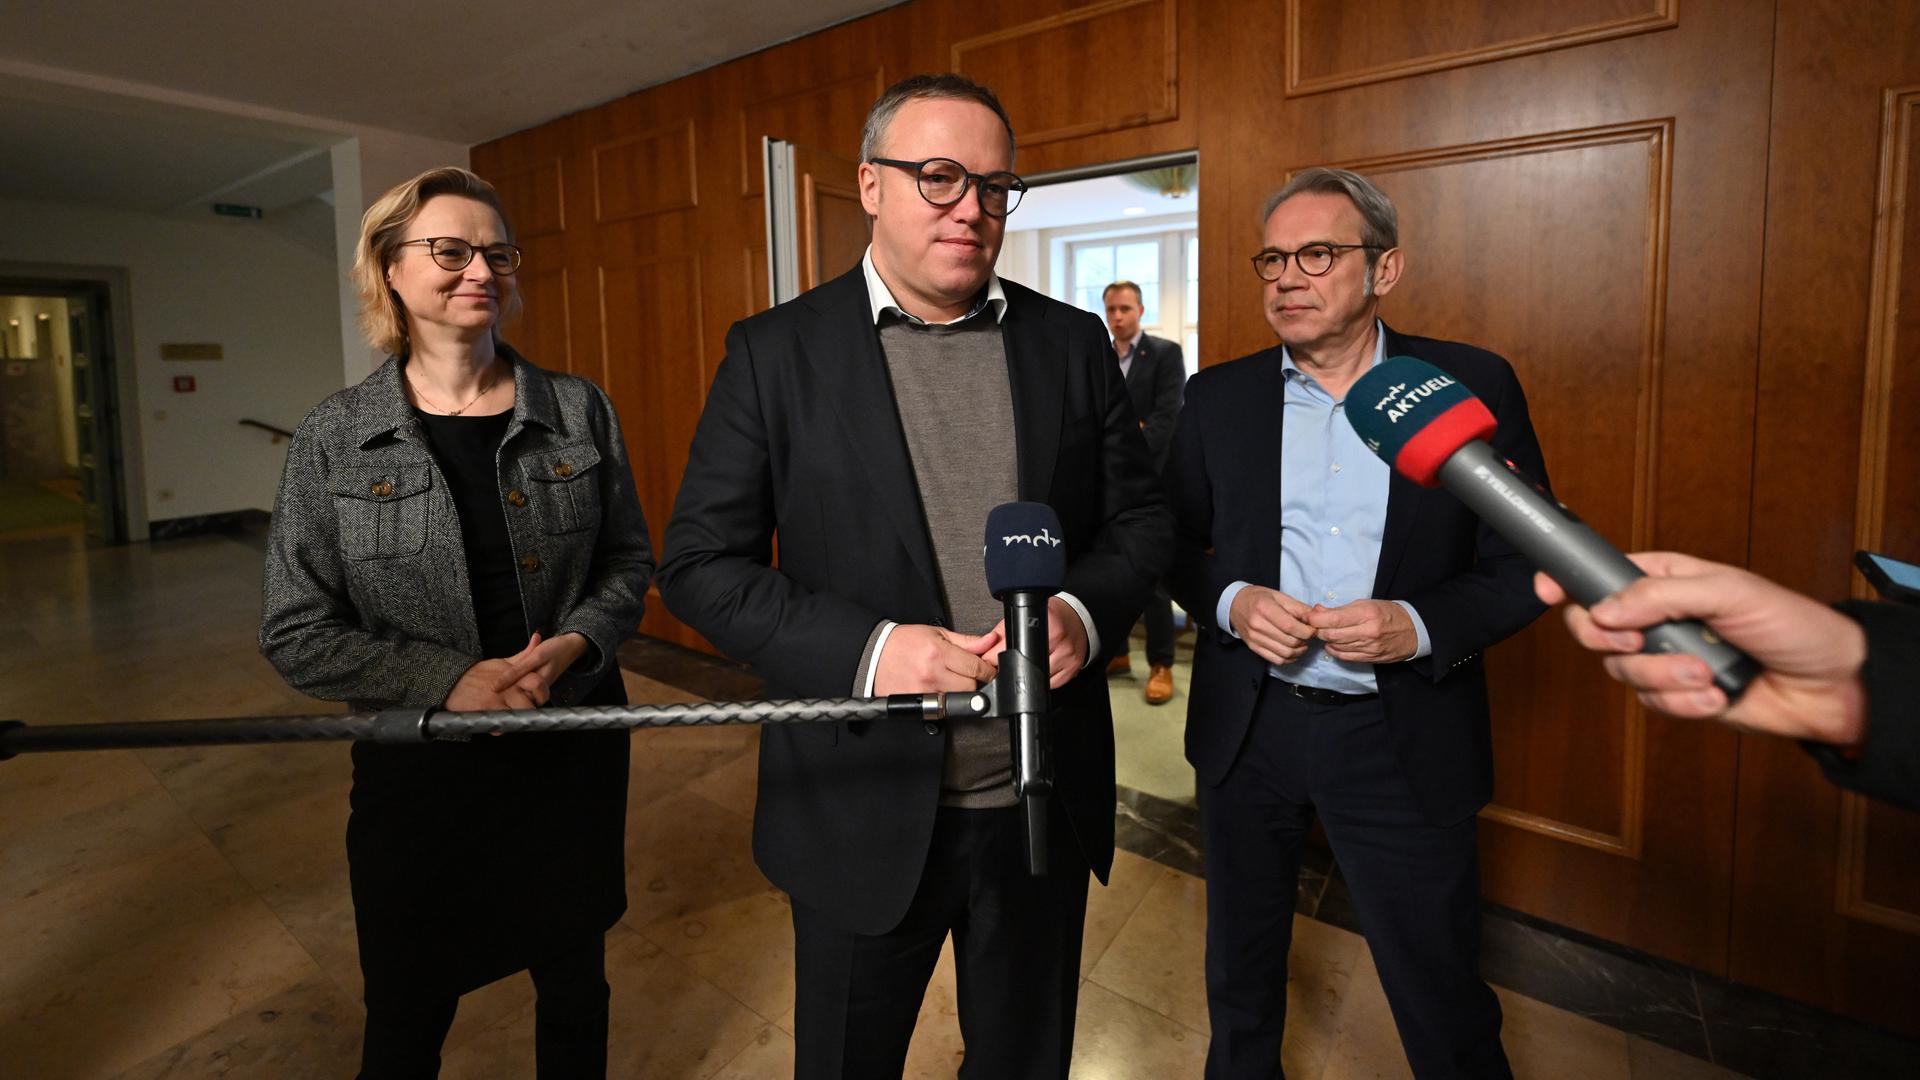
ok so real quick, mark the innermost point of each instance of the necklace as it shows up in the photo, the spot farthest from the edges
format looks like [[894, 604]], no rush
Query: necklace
[[484, 387]]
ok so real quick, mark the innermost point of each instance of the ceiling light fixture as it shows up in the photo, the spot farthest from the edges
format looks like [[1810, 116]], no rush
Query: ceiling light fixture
[[1173, 182]]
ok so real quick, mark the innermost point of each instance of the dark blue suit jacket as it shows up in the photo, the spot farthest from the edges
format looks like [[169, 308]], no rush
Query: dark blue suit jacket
[[1469, 585]]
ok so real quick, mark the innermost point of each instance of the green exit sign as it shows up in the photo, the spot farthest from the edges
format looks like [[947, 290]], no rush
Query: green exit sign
[[240, 210]]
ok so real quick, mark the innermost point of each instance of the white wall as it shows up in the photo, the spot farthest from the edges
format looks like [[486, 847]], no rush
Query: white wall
[[269, 302], [1023, 259]]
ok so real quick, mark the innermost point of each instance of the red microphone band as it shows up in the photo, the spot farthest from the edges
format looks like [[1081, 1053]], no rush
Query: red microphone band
[[1430, 447]]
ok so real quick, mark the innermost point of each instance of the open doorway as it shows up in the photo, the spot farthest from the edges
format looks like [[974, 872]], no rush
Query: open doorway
[[60, 460], [1075, 236], [1076, 233]]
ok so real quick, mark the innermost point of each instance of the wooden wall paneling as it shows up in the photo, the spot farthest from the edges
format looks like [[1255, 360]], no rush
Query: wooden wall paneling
[[1083, 98], [1333, 45], [833, 228], [753, 258], [650, 317], [1826, 881], [1646, 425], [543, 333], [827, 115], [650, 172], [1027, 65], [1878, 878], [1230, 197], [1585, 337], [531, 173], [533, 196]]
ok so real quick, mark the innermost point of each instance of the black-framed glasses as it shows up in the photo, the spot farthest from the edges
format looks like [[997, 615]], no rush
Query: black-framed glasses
[[1314, 260], [453, 253], [944, 181]]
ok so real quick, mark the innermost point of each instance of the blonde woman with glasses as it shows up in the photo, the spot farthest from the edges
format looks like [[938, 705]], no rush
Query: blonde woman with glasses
[[460, 531]]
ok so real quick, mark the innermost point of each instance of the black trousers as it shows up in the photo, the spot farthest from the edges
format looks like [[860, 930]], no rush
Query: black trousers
[[1159, 619], [569, 1024], [1016, 943], [1415, 888]]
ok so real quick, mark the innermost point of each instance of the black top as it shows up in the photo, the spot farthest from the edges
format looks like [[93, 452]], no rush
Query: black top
[[472, 860], [467, 449]]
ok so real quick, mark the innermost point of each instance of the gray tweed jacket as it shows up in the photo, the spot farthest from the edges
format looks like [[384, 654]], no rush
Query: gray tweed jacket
[[366, 598]]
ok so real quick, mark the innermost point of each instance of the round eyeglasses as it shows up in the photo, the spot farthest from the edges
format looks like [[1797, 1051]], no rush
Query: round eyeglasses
[[453, 253], [944, 181], [1314, 260]]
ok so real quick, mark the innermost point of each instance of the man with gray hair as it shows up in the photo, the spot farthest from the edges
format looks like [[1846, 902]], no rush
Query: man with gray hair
[[1337, 671], [872, 423]]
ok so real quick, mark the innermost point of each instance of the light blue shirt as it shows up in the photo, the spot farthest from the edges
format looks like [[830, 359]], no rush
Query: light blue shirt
[[1333, 513]]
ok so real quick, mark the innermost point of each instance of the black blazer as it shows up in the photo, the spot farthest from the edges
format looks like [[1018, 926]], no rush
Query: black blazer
[[801, 436], [1154, 382], [1471, 587]]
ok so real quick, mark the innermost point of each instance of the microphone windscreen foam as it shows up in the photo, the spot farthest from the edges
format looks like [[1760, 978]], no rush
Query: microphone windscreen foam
[[1024, 549], [1415, 416]]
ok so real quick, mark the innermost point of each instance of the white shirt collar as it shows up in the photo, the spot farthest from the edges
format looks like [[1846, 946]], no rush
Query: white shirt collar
[[880, 298]]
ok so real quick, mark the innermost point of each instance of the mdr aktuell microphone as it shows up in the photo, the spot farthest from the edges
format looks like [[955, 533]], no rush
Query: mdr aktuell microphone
[[1433, 431], [1026, 563]]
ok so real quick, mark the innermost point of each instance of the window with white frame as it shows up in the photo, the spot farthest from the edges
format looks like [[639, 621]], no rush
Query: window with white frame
[[1166, 266]]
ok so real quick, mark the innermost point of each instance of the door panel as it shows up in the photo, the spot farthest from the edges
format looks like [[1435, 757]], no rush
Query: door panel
[[833, 228], [95, 419], [1830, 908]]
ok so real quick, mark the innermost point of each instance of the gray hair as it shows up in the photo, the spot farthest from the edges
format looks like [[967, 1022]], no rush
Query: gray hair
[[1379, 223], [921, 88]]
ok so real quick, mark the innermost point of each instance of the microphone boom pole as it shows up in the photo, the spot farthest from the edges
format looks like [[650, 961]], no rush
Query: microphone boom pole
[[403, 726]]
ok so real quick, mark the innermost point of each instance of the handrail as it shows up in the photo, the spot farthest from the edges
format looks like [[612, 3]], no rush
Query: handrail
[[277, 433]]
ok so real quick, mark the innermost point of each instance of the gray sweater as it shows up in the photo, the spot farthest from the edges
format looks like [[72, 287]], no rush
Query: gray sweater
[[956, 406]]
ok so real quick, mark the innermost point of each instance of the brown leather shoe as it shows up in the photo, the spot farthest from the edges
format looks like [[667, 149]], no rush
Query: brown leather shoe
[[1120, 665], [1159, 684]]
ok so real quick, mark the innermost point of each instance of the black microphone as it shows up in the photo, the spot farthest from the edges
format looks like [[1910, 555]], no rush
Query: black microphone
[[1026, 563], [1432, 430]]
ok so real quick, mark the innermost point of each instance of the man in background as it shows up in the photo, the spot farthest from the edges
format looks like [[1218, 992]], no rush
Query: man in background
[[1155, 372]]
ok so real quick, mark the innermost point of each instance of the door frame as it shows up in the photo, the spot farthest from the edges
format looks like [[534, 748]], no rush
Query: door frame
[[108, 287]]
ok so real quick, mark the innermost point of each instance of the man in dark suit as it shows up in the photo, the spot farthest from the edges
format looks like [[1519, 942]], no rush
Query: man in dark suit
[[1155, 371], [872, 423], [1338, 671]]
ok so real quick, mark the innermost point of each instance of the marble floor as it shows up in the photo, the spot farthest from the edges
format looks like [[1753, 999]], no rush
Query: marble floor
[[184, 912]]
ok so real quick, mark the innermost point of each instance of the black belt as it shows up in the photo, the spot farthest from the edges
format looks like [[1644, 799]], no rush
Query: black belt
[[1324, 697]]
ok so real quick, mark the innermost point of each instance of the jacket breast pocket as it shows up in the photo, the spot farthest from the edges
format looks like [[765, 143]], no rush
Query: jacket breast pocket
[[564, 486], [382, 509]]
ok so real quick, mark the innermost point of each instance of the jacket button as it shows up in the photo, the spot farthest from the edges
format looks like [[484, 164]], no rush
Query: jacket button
[[529, 561], [933, 728], [516, 497], [382, 488], [563, 470]]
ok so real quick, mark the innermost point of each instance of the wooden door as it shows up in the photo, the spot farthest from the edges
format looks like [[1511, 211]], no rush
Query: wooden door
[[1580, 188], [1827, 890], [833, 227]]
